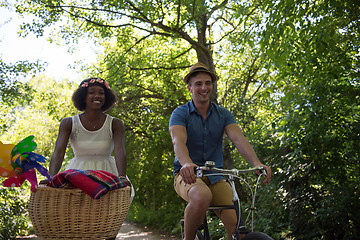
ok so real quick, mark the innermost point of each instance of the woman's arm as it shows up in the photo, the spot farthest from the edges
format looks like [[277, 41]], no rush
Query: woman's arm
[[118, 129], [60, 146]]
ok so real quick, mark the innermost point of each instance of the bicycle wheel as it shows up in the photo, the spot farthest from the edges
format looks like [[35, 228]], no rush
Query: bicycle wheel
[[257, 236]]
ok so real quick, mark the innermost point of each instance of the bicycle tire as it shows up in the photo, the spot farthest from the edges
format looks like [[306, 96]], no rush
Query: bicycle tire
[[257, 236]]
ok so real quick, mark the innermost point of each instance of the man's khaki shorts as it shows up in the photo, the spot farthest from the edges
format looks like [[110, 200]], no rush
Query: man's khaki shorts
[[221, 190]]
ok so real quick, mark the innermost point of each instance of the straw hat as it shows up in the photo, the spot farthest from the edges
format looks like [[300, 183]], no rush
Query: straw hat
[[198, 67]]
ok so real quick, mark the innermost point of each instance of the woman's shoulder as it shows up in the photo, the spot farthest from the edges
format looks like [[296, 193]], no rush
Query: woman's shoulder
[[67, 120], [117, 123], [66, 124]]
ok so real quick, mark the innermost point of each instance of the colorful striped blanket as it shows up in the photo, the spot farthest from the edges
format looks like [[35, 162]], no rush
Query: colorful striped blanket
[[95, 183]]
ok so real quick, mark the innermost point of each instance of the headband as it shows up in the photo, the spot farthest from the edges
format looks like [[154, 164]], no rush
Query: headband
[[98, 81]]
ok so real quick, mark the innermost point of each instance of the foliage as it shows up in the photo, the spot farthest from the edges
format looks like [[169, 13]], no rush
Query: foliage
[[192, 22], [13, 88], [317, 174], [13, 212], [145, 104], [288, 70], [41, 117], [216, 227], [15, 91], [167, 217]]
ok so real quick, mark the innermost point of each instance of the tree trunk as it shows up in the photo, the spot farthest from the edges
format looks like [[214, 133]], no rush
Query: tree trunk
[[203, 50]]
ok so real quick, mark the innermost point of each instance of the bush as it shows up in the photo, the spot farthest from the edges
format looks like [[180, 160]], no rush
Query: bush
[[14, 220]]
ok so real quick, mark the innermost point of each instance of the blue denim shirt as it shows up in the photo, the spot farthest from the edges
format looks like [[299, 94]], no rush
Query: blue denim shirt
[[204, 137]]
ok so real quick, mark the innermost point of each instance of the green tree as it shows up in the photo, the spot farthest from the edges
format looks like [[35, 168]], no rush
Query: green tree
[[198, 25], [14, 220], [151, 45], [287, 69], [314, 143], [50, 102], [14, 90], [145, 104]]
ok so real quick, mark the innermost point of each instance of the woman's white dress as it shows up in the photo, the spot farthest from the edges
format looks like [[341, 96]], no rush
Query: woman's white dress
[[93, 149]]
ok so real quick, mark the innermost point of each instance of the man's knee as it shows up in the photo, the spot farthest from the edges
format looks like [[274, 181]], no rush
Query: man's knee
[[200, 194]]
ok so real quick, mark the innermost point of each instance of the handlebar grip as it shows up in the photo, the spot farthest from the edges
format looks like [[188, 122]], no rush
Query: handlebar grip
[[262, 172]]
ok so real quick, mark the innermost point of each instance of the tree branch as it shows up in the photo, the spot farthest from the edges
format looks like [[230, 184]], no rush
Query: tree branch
[[131, 98]]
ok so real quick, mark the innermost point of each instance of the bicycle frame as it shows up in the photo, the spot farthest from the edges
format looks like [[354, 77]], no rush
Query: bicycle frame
[[232, 174]]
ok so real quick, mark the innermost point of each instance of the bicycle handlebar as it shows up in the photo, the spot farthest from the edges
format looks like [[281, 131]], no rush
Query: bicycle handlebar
[[209, 166]]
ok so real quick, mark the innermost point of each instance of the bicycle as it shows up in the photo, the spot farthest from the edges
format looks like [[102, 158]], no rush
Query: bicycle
[[203, 231]]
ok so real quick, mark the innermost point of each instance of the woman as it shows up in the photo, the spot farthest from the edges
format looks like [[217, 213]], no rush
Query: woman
[[93, 134]]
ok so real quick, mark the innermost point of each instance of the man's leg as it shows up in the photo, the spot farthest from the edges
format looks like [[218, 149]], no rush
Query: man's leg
[[222, 195], [199, 198], [228, 218]]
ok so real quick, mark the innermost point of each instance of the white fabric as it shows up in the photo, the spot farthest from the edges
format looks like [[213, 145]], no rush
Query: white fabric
[[92, 149]]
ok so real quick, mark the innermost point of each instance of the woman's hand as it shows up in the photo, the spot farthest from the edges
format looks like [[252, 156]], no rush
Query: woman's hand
[[43, 182], [125, 180]]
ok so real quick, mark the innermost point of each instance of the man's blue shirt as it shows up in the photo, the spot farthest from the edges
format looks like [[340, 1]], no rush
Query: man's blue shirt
[[204, 137]]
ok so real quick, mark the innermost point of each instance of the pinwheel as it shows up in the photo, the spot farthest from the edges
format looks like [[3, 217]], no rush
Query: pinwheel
[[18, 163]]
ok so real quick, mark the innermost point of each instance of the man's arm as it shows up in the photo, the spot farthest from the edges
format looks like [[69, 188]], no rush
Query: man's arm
[[236, 136], [179, 137]]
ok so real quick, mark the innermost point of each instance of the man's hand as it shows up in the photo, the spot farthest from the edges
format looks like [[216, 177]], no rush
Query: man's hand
[[268, 173], [187, 173]]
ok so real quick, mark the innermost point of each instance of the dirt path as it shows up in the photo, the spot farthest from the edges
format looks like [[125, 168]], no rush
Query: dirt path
[[132, 231]]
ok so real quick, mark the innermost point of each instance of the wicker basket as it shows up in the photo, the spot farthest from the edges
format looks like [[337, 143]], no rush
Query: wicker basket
[[71, 214]]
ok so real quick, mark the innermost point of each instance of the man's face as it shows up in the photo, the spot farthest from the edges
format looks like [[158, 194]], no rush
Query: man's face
[[201, 87]]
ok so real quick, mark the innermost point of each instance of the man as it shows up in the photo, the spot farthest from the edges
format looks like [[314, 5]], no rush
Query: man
[[197, 129]]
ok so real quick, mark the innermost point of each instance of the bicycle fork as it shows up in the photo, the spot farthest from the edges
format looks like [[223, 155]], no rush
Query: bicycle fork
[[240, 225]]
